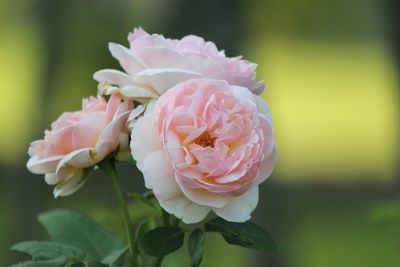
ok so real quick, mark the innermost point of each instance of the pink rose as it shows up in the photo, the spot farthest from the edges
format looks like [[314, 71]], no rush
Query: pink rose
[[78, 141], [153, 64], [205, 146]]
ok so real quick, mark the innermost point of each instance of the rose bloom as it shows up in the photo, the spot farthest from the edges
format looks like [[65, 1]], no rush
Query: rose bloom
[[205, 146], [153, 64], [78, 141]]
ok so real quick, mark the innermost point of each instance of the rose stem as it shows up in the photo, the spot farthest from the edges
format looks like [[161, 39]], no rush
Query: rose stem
[[108, 166]]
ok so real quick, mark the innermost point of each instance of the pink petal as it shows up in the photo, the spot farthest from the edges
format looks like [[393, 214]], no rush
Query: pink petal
[[159, 176], [164, 57], [144, 139], [87, 132], [201, 196]]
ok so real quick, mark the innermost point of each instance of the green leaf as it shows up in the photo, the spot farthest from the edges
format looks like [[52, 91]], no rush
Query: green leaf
[[162, 241], [59, 262], [145, 226], [115, 257], [42, 250], [76, 229], [245, 234], [196, 247], [95, 264]]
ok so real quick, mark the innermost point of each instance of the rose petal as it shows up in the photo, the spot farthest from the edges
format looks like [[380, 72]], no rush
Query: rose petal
[[239, 208], [163, 79], [143, 139], [43, 165], [263, 108], [201, 196], [92, 123], [81, 158], [76, 180], [109, 136], [51, 178], [184, 209], [129, 62], [132, 92], [266, 167], [160, 176], [164, 57], [111, 76]]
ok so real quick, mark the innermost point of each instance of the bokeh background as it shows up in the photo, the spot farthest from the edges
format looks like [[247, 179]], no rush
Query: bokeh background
[[332, 71]]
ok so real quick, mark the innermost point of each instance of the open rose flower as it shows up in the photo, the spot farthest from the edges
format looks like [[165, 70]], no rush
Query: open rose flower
[[153, 64], [206, 145], [78, 141]]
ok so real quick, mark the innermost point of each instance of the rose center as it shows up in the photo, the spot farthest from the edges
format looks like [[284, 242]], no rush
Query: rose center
[[205, 140]]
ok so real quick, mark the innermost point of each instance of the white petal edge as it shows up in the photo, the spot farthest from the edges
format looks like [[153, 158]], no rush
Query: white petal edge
[[184, 209], [111, 76], [77, 179], [201, 196], [129, 62], [37, 165], [163, 79], [51, 178], [137, 91], [239, 208]]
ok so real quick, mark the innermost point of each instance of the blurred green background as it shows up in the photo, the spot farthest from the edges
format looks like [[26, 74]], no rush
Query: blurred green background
[[332, 71]]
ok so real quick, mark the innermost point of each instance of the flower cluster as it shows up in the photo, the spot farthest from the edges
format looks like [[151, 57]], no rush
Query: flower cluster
[[200, 122]]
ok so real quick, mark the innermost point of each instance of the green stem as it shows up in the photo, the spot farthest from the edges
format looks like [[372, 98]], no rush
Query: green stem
[[109, 167]]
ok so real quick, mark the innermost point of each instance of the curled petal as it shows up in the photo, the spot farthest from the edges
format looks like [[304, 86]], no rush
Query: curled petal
[[239, 208], [112, 77], [45, 165], [126, 58], [133, 92], [109, 136], [201, 196], [184, 209], [81, 158], [77, 178], [51, 178], [163, 79]]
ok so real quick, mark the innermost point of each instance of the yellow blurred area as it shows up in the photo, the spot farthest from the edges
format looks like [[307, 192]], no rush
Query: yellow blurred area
[[20, 72], [334, 108]]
